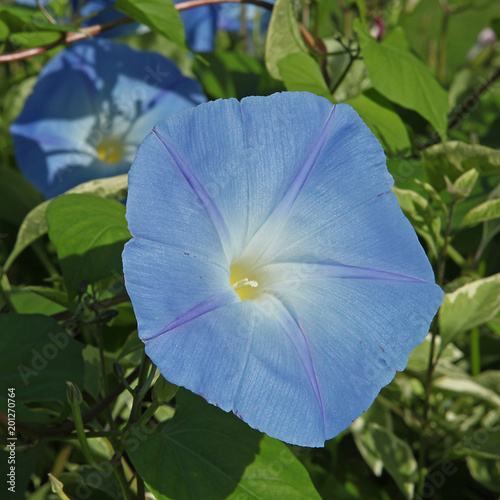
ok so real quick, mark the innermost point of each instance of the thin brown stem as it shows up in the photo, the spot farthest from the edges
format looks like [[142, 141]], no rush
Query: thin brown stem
[[89, 31], [46, 15], [461, 112]]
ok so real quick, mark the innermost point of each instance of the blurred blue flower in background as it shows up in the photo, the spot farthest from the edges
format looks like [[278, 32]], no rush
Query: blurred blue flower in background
[[91, 107], [271, 268], [200, 23], [229, 16], [31, 3]]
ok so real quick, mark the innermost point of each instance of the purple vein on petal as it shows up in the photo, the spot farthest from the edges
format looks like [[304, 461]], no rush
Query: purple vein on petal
[[297, 337], [201, 193], [278, 216], [204, 307], [291, 271]]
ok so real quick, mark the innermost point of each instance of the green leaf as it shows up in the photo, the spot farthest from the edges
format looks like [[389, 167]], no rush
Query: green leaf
[[15, 97], [211, 454], [466, 387], [471, 305], [383, 121], [37, 356], [488, 210], [55, 296], [495, 24], [403, 78], [488, 447], [397, 457], [232, 74], [405, 172], [361, 429], [421, 215], [283, 36], [453, 158], [160, 15], [17, 196], [418, 360], [28, 21], [299, 71], [4, 31], [35, 224], [361, 4], [88, 233], [463, 186], [490, 227], [87, 482], [485, 472], [34, 39], [33, 227], [27, 301]]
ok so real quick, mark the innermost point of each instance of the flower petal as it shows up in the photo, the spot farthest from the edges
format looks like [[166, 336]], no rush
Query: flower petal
[[90, 92], [195, 285], [247, 154], [243, 360], [341, 290], [360, 330], [161, 187]]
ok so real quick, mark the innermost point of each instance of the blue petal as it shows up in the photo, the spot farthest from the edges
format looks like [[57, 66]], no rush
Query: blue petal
[[243, 358], [360, 325], [297, 191], [196, 285], [244, 155], [90, 91], [200, 26]]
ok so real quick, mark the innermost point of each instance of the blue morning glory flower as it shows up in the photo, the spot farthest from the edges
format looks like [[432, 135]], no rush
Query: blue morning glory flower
[[91, 107], [200, 23], [271, 269]]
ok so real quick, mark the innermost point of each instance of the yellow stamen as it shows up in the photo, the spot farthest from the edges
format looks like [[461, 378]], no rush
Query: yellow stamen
[[110, 150], [244, 283]]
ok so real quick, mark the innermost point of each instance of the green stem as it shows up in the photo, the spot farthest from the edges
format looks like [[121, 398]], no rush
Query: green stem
[[433, 359], [431, 365], [4, 292], [122, 480], [148, 381], [475, 353], [444, 250], [88, 435], [344, 73], [141, 493], [80, 432], [348, 18], [41, 253]]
